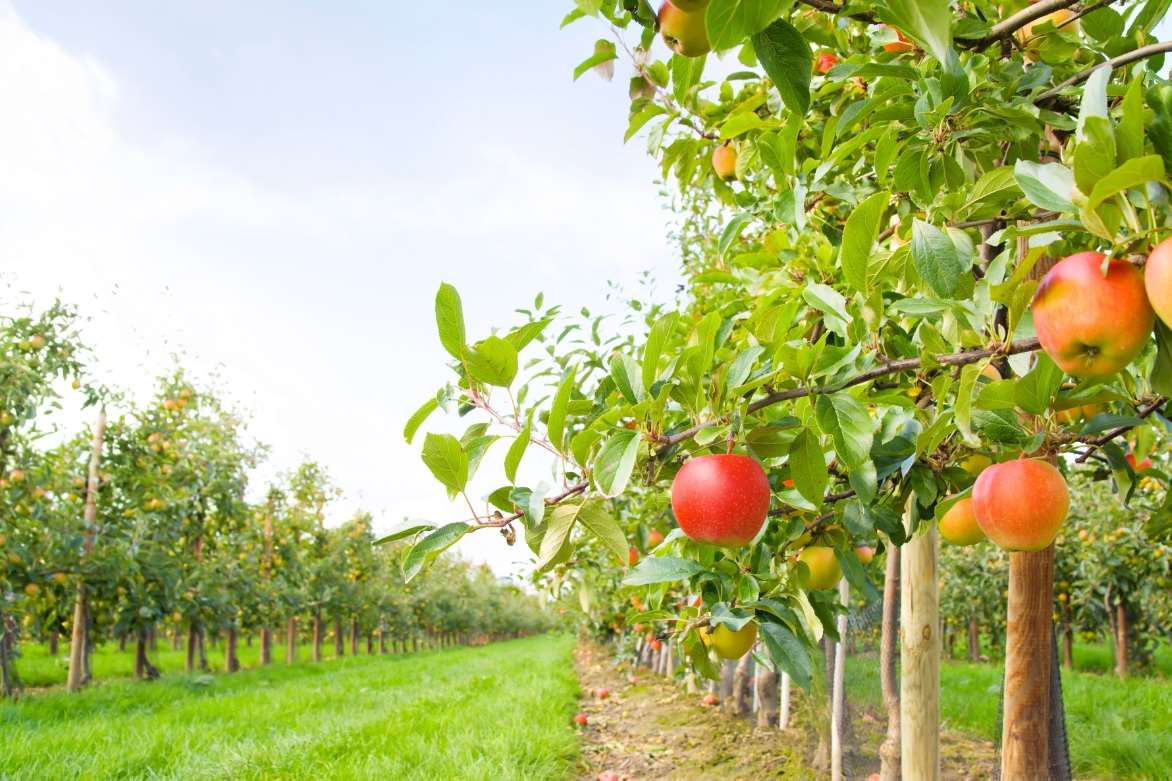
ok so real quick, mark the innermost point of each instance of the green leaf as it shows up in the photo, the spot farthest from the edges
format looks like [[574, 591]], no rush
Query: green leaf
[[404, 530], [856, 576], [927, 22], [732, 619], [742, 366], [416, 420], [516, 452], [993, 187], [786, 57], [964, 403], [788, 653], [1129, 134], [653, 349], [685, 74], [1133, 173], [493, 361], [661, 569], [431, 546], [846, 420], [557, 533], [522, 335], [739, 124], [604, 51], [449, 319], [1162, 368], [446, 459], [615, 460], [627, 376], [858, 239], [556, 424], [1046, 185], [732, 232], [937, 260], [729, 22], [1034, 391], [600, 523], [807, 464]]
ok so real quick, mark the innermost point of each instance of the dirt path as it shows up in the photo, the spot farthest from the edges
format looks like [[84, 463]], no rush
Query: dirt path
[[648, 729]]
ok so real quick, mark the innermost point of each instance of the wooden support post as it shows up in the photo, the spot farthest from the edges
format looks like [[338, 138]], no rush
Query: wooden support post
[[889, 681], [837, 692], [79, 639], [1028, 650], [783, 718], [920, 654]]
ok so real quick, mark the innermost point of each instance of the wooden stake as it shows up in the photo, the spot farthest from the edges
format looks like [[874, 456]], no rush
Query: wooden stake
[[838, 695], [920, 654], [1028, 650], [79, 637], [889, 749], [783, 719]]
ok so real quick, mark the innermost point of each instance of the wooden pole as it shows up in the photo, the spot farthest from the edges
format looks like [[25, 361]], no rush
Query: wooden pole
[[783, 719], [889, 681], [920, 654], [1028, 650], [838, 695], [79, 636]]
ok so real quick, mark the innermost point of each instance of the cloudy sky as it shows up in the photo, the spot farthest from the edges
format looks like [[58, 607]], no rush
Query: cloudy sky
[[277, 189]]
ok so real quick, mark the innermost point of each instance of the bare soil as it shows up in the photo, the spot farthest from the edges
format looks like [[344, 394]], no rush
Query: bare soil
[[649, 728]]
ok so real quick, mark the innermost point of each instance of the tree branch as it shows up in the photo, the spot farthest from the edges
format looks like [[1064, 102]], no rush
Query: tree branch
[[883, 370], [1102, 439], [834, 8], [1143, 52], [1007, 27]]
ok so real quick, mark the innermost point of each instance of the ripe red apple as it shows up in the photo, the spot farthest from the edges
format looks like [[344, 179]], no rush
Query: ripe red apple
[[825, 62], [1090, 324], [1158, 280], [1021, 504], [709, 700], [724, 161], [865, 553], [632, 556], [684, 32], [959, 525], [603, 694], [654, 537], [609, 775], [825, 571], [580, 719], [721, 499]]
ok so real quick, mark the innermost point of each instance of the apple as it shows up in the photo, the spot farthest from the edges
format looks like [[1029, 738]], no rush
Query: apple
[[1079, 413], [724, 161], [36, 341], [1056, 19], [991, 372], [684, 32], [654, 537], [901, 44], [825, 62], [609, 775], [603, 694], [690, 5], [959, 525], [729, 644], [1145, 464], [721, 499], [580, 719], [1091, 324], [632, 556], [1158, 280], [865, 553], [825, 571], [709, 700], [1021, 504], [32, 589]]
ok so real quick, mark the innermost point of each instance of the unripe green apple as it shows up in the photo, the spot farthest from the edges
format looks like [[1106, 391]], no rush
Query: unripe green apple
[[959, 525], [685, 32], [825, 571], [1092, 324], [1158, 280], [729, 644], [1021, 504]]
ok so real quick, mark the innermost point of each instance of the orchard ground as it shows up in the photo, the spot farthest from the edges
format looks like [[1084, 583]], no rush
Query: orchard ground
[[504, 711]]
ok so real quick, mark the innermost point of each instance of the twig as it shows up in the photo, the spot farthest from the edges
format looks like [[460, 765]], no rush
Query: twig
[[507, 519], [834, 8], [1143, 52], [1098, 441], [1007, 27]]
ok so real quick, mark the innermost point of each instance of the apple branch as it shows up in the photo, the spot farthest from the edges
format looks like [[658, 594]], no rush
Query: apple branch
[[1007, 27], [883, 370], [1097, 442], [1143, 52], [830, 7]]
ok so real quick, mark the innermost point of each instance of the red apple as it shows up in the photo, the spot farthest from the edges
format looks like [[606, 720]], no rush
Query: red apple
[[724, 161], [1158, 280], [1092, 324], [825, 62], [654, 537], [1021, 504], [685, 32], [865, 553], [709, 699], [721, 499], [632, 556], [603, 694], [581, 720], [609, 775], [901, 44], [959, 525]]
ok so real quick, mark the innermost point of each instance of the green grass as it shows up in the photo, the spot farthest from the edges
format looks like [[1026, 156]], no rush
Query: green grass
[[1117, 729], [495, 712], [1096, 658]]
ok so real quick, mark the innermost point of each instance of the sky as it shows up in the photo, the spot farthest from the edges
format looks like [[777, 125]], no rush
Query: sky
[[276, 190]]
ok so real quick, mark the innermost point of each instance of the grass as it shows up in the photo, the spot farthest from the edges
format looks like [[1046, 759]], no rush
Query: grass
[[499, 711], [1096, 658], [1117, 729]]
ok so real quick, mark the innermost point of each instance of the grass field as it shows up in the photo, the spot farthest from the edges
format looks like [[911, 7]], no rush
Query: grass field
[[495, 712], [1117, 729]]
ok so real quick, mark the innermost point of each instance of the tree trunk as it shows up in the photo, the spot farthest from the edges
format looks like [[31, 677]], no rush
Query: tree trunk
[[370, 643], [79, 638], [266, 646], [339, 640], [786, 690], [231, 662], [1121, 632], [974, 644], [53, 635], [920, 654], [766, 690], [1028, 649], [889, 749], [143, 669], [192, 642], [1067, 639], [9, 679], [176, 639], [741, 701], [317, 635], [291, 640], [382, 642], [838, 694], [354, 637]]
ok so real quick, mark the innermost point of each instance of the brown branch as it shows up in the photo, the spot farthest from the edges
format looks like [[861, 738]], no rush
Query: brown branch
[[830, 7], [1037, 217], [883, 370], [507, 519], [1102, 439], [1007, 27], [1143, 52]]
